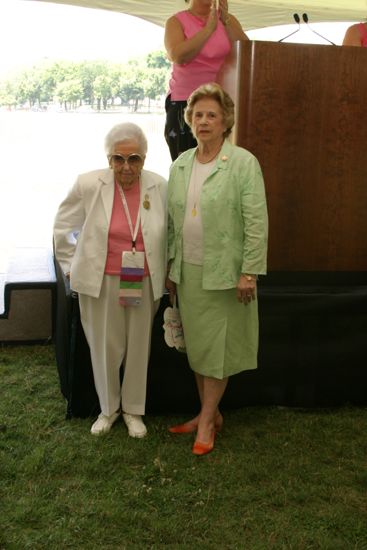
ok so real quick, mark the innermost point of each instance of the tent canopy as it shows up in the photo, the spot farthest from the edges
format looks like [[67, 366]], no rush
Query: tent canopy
[[253, 14]]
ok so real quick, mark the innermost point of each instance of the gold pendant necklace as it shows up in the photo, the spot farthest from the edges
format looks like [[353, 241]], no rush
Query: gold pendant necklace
[[194, 169], [196, 192]]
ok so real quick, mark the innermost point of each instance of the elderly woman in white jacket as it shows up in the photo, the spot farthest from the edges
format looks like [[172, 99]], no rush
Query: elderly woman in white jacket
[[110, 239]]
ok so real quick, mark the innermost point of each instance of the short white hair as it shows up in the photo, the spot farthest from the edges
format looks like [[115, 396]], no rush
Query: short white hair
[[123, 132]]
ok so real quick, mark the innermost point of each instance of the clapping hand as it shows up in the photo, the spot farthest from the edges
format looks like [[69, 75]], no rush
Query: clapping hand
[[212, 20]]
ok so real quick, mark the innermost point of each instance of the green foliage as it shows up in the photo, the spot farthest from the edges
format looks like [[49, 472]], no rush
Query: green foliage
[[156, 81], [131, 87], [69, 91], [73, 83], [8, 94], [158, 60], [278, 478]]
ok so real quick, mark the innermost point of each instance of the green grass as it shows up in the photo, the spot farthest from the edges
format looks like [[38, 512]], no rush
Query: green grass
[[278, 478]]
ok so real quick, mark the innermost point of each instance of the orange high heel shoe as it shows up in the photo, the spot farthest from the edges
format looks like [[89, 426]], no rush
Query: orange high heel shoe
[[190, 427], [200, 448], [186, 428]]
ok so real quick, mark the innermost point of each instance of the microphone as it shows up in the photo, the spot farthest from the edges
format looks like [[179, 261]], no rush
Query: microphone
[[305, 19], [297, 20]]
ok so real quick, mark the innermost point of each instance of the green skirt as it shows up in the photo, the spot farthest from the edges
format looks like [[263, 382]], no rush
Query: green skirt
[[221, 334]]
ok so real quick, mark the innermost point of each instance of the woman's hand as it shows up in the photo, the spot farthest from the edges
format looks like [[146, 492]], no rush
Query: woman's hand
[[232, 25], [171, 287], [182, 50], [212, 20], [246, 289]]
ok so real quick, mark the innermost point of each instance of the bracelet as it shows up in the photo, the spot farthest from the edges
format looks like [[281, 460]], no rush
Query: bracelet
[[250, 277]]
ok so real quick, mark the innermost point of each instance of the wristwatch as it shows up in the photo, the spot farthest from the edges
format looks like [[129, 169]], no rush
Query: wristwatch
[[250, 277]]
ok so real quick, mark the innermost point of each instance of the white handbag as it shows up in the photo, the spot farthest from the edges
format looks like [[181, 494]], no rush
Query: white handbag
[[173, 331]]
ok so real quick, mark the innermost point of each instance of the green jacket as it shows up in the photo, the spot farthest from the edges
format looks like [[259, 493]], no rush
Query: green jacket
[[234, 216]]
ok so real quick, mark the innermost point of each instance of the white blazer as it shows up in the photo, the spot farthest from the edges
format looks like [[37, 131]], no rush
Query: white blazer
[[82, 224]]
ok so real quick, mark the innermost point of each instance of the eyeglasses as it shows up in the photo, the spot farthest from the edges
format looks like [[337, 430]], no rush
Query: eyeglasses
[[133, 160]]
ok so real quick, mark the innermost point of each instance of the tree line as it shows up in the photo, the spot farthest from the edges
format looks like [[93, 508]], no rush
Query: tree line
[[95, 83]]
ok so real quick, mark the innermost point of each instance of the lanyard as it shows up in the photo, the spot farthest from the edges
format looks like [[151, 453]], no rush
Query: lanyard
[[134, 232]]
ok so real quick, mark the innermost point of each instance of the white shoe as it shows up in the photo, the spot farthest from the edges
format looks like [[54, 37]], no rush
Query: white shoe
[[135, 425], [104, 423]]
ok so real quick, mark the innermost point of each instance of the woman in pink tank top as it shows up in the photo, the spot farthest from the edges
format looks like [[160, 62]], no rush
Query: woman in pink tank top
[[197, 41], [356, 35]]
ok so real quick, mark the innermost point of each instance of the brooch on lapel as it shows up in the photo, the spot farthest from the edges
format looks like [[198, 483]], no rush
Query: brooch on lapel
[[146, 202]]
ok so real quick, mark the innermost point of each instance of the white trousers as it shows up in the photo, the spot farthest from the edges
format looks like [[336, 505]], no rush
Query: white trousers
[[116, 335]]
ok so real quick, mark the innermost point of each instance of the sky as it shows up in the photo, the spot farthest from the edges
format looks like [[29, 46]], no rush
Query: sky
[[31, 31]]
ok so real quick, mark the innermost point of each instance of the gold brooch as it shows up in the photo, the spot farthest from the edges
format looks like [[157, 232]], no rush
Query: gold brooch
[[224, 158], [146, 202]]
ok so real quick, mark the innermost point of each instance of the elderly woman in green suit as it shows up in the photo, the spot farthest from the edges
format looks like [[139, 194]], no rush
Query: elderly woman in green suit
[[217, 248]]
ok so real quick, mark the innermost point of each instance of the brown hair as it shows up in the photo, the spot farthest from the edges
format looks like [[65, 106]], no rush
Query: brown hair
[[212, 91]]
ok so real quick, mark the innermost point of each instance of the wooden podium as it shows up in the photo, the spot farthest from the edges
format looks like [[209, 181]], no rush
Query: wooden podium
[[301, 110]]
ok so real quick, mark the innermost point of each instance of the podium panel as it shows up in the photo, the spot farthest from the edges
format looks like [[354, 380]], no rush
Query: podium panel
[[312, 354], [300, 109]]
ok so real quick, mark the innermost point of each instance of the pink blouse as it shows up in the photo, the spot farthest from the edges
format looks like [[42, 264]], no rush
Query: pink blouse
[[119, 236], [205, 66]]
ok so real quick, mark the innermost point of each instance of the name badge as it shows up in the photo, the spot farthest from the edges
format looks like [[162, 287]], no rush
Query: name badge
[[131, 278]]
